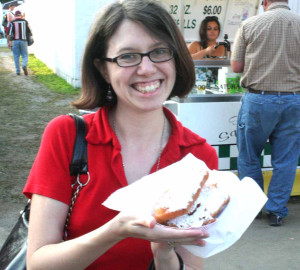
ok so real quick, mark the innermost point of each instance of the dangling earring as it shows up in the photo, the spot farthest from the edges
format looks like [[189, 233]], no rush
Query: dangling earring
[[109, 95]]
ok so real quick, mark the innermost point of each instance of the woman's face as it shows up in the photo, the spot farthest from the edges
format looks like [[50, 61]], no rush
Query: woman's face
[[143, 87], [212, 31]]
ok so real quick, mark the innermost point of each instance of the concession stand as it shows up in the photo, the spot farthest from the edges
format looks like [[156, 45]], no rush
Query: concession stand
[[211, 108]]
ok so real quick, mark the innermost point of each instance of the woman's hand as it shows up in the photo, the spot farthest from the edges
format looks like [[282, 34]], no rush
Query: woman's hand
[[210, 50], [124, 226], [9, 44], [163, 239]]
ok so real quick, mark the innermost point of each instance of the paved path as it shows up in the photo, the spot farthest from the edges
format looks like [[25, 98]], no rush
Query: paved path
[[26, 106], [263, 247]]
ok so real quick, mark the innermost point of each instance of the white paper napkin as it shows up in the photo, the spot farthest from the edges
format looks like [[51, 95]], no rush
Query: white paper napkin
[[246, 200]]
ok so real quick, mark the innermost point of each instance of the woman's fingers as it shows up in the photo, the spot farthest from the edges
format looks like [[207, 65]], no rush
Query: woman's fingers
[[185, 241], [147, 228], [210, 50], [171, 244], [173, 237]]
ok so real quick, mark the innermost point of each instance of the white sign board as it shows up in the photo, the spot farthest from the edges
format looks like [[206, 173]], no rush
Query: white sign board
[[214, 121], [188, 14], [243, 9]]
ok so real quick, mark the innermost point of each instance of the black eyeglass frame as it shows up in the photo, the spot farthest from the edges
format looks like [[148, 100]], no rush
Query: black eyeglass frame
[[115, 59]]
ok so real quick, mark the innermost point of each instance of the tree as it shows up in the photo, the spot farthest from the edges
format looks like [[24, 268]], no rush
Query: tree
[[7, 1]]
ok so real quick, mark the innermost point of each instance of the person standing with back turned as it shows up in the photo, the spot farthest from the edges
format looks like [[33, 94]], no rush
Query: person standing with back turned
[[18, 32], [266, 50]]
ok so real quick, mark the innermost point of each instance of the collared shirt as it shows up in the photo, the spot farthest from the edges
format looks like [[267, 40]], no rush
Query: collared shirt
[[19, 29], [269, 45], [50, 177]]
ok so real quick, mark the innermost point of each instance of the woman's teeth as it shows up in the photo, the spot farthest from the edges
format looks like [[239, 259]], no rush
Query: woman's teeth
[[148, 88]]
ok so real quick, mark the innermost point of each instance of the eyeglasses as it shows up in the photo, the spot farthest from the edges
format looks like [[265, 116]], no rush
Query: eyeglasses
[[133, 59]]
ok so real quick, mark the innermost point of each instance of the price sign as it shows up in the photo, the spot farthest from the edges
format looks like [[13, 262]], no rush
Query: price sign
[[212, 10], [188, 14]]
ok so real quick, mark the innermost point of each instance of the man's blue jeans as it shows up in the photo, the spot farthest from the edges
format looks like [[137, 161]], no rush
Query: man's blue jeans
[[20, 48], [275, 118]]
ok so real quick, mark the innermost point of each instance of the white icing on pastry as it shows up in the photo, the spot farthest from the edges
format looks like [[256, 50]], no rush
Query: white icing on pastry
[[180, 195], [205, 209]]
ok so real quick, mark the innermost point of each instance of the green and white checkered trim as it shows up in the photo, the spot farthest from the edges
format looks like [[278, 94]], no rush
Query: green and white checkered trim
[[228, 156]]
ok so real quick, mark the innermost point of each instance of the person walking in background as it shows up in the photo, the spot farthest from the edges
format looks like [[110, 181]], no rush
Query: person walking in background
[[18, 32], [266, 50], [209, 31], [10, 17]]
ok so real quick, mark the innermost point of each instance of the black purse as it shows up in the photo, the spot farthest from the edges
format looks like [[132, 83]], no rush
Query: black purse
[[30, 40], [13, 251]]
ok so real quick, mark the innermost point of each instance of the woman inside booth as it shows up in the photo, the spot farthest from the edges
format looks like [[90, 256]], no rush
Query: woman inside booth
[[205, 48]]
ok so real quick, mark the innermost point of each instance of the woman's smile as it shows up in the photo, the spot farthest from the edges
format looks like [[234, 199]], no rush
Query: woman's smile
[[147, 87]]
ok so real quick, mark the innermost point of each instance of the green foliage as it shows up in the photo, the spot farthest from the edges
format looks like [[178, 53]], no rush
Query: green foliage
[[46, 76]]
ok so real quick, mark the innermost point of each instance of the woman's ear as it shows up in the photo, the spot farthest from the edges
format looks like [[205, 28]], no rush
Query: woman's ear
[[102, 69]]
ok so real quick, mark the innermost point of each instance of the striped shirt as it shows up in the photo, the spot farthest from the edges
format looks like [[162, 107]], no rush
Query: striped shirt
[[268, 45], [19, 29]]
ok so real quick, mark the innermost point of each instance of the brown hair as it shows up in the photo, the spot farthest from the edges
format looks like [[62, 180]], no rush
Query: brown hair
[[158, 22], [203, 29]]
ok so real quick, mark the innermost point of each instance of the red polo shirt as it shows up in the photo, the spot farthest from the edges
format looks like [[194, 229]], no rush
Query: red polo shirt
[[49, 177]]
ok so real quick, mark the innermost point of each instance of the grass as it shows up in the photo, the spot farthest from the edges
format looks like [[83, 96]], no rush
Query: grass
[[46, 76]]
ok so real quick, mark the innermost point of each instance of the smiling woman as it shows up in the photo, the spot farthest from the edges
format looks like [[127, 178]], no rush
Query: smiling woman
[[135, 59]]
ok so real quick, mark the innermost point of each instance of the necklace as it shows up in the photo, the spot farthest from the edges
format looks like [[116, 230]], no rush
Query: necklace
[[160, 145]]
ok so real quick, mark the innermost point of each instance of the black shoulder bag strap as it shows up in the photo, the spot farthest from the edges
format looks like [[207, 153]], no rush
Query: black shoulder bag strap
[[79, 160], [78, 165]]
